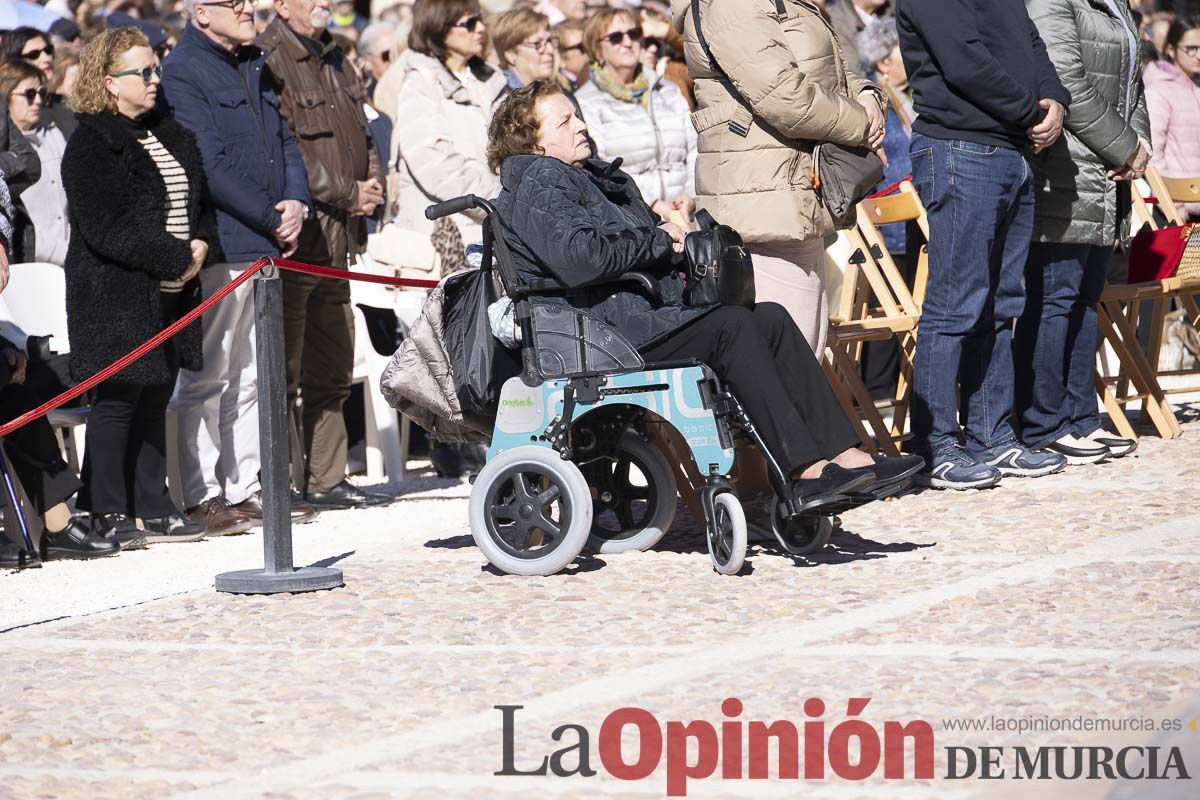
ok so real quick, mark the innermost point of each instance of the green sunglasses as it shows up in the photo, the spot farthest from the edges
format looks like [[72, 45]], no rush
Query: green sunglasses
[[147, 73]]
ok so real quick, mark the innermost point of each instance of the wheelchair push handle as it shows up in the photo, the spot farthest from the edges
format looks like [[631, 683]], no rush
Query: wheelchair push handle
[[458, 205]]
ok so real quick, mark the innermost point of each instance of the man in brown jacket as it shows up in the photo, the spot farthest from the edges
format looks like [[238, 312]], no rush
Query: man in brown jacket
[[322, 99]]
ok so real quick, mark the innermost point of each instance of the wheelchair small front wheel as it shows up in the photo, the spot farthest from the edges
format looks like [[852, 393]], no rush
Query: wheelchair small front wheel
[[726, 534], [634, 497], [530, 511], [801, 535]]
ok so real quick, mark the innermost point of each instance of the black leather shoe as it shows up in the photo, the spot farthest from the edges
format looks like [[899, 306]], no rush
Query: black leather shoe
[[120, 529], [76, 541], [891, 470], [346, 496], [834, 483], [174, 527], [13, 557]]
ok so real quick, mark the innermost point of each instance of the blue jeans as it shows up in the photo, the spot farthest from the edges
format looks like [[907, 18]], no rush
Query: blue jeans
[[980, 204], [1055, 344]]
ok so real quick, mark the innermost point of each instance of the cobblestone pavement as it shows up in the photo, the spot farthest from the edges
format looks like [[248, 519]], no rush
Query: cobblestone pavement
[[1073, 596]]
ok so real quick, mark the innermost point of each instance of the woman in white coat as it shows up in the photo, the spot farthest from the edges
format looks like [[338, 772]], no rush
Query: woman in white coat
[[442, 114], [638, 116]]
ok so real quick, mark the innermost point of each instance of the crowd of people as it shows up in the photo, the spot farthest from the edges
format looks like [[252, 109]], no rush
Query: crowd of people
[[154, 149]]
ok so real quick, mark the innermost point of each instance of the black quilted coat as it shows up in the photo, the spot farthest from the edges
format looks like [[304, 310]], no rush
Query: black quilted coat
[[120, 250], [584, 225]]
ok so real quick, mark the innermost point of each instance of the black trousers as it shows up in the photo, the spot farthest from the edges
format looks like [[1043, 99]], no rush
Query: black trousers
[[763, 357], [34, 454], [125, 462]]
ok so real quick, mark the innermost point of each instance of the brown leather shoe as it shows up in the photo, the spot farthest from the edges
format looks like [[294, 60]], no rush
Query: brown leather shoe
[[302, 512], [220, 517]]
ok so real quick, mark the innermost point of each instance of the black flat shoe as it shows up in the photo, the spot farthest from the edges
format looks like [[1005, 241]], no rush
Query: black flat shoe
[[834, 483], [174, 527], [76, 541], [13, 557], [345, 496], [120, 529], [891, 470]]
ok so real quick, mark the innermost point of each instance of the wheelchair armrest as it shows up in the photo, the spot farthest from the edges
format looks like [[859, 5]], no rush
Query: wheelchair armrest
[[646, 284]]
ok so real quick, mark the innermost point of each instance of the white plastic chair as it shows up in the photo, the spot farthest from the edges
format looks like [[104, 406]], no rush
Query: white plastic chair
[[387, 432], [35, 301]]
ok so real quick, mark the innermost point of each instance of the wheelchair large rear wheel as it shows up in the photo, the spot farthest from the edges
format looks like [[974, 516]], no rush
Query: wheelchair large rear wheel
[[634, 496], [530, 511], [727, 534], [800, 535]]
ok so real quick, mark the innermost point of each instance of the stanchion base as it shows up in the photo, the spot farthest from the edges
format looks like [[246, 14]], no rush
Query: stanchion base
[[259, 581]]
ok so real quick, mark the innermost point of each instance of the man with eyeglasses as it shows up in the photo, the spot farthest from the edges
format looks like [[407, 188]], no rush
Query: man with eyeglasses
[[217, 86], [323, 102]]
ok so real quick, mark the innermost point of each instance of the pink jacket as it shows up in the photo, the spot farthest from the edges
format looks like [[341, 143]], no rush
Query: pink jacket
[[1174, 104]]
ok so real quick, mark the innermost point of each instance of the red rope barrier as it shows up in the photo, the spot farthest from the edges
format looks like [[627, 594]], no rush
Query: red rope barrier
[[188, 318], [890, 189]]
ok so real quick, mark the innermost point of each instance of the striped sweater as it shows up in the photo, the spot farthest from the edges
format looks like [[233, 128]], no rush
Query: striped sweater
[[176, 182]]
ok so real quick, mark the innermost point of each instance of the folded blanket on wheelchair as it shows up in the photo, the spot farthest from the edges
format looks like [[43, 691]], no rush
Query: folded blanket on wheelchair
[[419, 380]]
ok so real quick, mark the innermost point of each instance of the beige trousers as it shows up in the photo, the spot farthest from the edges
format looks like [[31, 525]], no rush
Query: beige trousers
[[793, 275]]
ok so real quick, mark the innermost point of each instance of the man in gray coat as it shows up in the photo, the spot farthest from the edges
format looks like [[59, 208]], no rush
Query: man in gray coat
[[1083, 205]]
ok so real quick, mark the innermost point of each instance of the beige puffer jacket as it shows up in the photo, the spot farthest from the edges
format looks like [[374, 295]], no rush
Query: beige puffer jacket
[[785, 62], [441, 142], [419, 380]]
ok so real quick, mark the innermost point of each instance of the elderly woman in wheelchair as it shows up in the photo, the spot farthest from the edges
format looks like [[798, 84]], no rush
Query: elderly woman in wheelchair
[[619, 374]]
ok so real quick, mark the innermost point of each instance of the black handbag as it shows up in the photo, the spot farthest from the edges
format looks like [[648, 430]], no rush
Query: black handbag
[[481, 364], [720, 271], [842, 176]]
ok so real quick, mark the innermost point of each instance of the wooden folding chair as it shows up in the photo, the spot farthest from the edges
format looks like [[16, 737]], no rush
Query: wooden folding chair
[[876, 305], [1121, 308]]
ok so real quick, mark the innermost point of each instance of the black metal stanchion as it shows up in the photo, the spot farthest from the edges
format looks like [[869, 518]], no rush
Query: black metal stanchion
[[278, 574]]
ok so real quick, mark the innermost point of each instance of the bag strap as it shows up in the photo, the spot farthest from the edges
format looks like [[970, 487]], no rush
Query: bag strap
[[740, 124], [704, 220]]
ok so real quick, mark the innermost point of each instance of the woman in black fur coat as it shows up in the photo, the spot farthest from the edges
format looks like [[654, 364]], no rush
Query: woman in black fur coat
[[139, 236]]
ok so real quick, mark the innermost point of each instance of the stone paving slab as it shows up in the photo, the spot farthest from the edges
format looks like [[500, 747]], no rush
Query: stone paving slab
[[1072, 595]]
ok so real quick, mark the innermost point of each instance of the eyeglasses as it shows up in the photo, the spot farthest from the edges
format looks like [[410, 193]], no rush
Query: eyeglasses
[[568, 48], [1191, 50], [30, 94], [232, 5], [634, 34], [34, 54], [541, 45], [470, 23], [147, 73]]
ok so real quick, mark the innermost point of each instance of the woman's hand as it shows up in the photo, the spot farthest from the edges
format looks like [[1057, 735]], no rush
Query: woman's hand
[[662, 208], [199, 253], [873, 135], [676, 233], [16, 364], [1134, 168], [686, 205]]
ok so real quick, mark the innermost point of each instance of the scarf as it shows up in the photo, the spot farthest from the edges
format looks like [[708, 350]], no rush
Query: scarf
[[637, 92]]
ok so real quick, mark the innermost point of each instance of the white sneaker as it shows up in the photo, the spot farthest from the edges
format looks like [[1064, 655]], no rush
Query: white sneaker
[[1116, 445], [1079, 451]]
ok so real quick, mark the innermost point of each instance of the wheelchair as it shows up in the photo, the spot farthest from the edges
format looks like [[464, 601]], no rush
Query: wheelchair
[[590, 443]]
